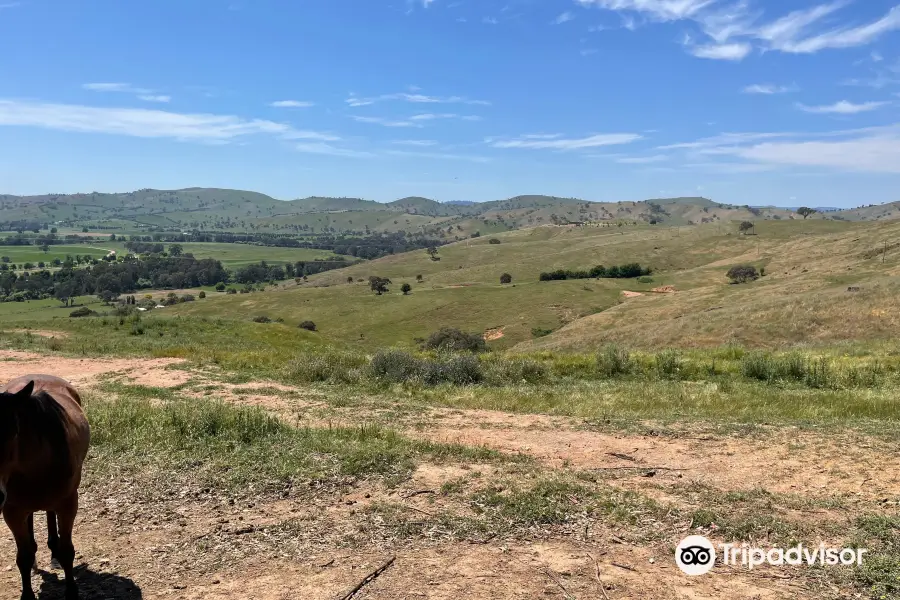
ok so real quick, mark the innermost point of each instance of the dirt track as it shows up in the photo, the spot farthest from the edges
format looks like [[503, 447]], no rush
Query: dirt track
[[201, 547]]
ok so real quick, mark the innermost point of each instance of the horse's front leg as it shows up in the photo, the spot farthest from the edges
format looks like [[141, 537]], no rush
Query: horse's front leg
[[65, 549], [19, 522]]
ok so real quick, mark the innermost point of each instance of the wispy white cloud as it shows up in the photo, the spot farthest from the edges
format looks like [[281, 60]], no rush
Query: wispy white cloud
[[145, 123], [769, 89], [384, 122], [489, 21], [434, 116], [563, 18], [291, 104], [659, 10], [558, 143], [803, 31], [588, 51], [871, 149], [642, 160], [843, 107], [421, 143], [440, 156], [155, 98], [736, 51], [355, 101], [145, 94], [124, 88], [329, 150]]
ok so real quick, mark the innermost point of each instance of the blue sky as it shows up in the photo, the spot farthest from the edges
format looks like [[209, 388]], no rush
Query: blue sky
[[745, 101]]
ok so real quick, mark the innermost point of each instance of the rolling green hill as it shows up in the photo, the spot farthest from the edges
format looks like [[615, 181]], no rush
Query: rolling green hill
[[803, 298], [211, 209]]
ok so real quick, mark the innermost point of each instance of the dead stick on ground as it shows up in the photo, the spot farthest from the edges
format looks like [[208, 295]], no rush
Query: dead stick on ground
[[597, 573], [368, 579], [626, 567], [637, 468], [418, 492]]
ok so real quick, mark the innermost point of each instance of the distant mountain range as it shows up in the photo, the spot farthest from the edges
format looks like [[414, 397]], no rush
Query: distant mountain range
[[211, 209]]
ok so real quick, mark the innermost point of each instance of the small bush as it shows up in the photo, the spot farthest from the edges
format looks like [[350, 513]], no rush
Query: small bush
[[334, 367], [454, 340], [396, 366], [506, 278], [743, 274], [187, 298], [455, 370], [505, 371], [262, 319], [493, 241], [406, 289], [645, 279], [220, 287], [308, 325], [201, 295], [613, 360], [668, 364], [540, 332], [84, 311], [231, 291]]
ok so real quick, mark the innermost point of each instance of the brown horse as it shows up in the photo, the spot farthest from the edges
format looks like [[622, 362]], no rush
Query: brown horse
[[44, 438]]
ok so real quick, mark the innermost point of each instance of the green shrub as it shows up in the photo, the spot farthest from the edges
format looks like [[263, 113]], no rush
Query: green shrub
[[454, 340], [504, 371], [334, 367], [613, 360], [84, 311], [540, 332], [645, 279], [308, 325], [506, 278], [668, 364], [220, 287], [262, 319], [395, 366], [201, 295], [455, 370]]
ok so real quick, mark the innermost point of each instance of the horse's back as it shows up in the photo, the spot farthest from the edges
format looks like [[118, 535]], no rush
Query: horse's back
[[67, 397]]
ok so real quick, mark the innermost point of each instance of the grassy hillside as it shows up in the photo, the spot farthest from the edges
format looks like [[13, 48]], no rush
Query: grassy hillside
[[802, 299]]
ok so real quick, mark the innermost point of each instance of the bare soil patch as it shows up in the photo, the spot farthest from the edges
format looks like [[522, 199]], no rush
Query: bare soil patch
[[86, 371]]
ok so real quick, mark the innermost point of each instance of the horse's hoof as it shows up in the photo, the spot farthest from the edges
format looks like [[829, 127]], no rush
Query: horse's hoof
[[54, 564], [28, 596]]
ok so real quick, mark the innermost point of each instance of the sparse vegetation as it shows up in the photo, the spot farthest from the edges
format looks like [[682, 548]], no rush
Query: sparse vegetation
[[454, 340]]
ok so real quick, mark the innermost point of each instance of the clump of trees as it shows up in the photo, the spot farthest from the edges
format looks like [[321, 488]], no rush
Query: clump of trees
[[627, 271], [743, 274]]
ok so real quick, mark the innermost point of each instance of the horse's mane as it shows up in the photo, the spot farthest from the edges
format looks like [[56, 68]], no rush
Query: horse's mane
[[46, 420]]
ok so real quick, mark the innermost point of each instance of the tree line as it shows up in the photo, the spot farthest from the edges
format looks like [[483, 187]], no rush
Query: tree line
[[626, 271]]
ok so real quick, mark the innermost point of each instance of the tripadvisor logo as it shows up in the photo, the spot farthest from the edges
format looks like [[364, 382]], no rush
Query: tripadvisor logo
[[696, 555]]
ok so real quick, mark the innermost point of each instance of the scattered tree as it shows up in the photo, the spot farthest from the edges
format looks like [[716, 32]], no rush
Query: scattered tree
[[379, 285], [805, 211], [220, 287], [308, 325], [745, 226], [743, 274], [350, 279], [493, 241], [176, 250], [432, 252], [418, 278], [201, 295], [506, 278], [406, 289]]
